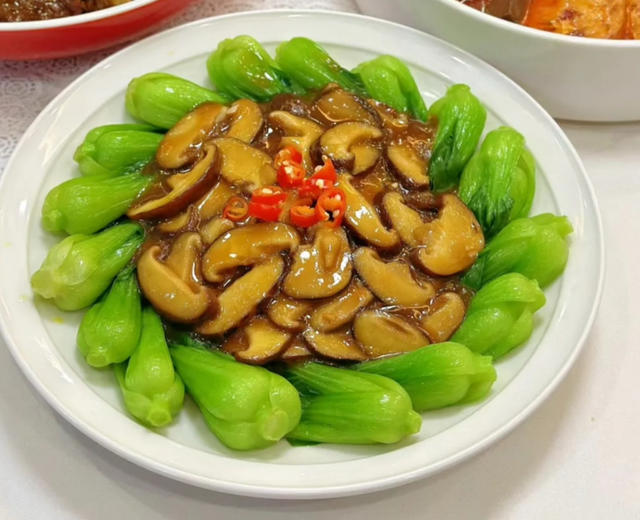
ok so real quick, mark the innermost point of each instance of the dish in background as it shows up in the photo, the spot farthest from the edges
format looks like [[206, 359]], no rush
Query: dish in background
[[43, 344], [82, 33], [575, 78], [46, 10]]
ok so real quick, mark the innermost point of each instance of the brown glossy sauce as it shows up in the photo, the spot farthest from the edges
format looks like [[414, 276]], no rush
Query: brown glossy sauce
[[330, 251], [26, 10]]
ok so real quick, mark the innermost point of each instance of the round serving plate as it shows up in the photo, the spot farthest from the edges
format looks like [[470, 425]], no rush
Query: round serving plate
[[42, 339]]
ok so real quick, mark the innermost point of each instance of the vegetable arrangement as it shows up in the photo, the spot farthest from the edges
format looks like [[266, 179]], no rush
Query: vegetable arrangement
[[354, 342]]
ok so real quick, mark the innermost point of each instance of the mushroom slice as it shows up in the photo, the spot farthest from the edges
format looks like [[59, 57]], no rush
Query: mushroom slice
[[404, 219], [179, 222], [451, 242], [243, 165], [287, 312], [336, 105], [408, 165], [320, 269], [299, 132], [240, 298], [258, 342], [334, 345], [342, 309], [180, 189], [213, 202], [247, 245], [392, 282], [171, 286], [445, 316], [215, 228], [244, 120], [363, 218], [296, 351], [180, 144], [391, 119], [381, 334], [352, 145]]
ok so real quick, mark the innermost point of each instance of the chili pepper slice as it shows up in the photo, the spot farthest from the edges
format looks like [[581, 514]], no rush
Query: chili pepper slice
[[289, 154], [236, 209], [269, 195], [331, 206], [323, 178], [266, 212], [291, 175], [302, 214]]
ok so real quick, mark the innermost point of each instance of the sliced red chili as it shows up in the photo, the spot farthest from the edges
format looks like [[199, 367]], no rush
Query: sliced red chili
[[269, 195], [302, 214], [236, 209], [289, 154], [291, 175], [331, 206], [323, 178], [266, 212]]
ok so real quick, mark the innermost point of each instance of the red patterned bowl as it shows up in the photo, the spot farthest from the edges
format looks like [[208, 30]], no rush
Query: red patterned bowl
[[82, 33]]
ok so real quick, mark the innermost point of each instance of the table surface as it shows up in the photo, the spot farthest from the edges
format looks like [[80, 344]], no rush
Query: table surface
[[577, 456]]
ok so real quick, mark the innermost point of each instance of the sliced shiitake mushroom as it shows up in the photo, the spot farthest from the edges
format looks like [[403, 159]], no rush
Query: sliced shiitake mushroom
[[243, 120], [320, 269], [287, 312], [212, 202], [391, 119], [181, 189], [170, 286], [451, 242], [335, 345], [178, 223], [258, 342], [296, 350], [408, 165], [404, 219], [342, 309], [214, 229], [336, 105], [243, 165], [380, 334], [352, 145], [392, 282], [363, 219], [180, 144], [240, 299], [299, 132], [444, 317], [247, 245]]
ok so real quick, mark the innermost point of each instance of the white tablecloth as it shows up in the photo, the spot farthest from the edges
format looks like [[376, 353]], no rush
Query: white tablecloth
[[578, 456]]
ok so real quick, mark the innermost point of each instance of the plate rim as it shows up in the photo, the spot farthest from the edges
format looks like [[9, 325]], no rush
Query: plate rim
[[328, 491]]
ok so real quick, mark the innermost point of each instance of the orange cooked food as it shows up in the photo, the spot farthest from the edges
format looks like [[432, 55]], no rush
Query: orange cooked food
[[304, 228]]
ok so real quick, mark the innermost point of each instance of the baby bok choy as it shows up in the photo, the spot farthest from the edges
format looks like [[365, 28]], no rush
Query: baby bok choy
[[161, 99], [88, 204], [461, 118], [500, 316], [79, 269], [153, 393], [498, 183], [247, 407], [116, 149], [437, 375], [347, 407], [311, 67], [110, 330], [241, 68], [535, 247], [388, 79]]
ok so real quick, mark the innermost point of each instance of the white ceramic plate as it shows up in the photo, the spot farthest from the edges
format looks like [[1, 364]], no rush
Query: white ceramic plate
[[42, 338]]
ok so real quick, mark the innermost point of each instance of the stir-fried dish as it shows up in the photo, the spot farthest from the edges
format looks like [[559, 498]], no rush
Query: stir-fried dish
[[28, 10], [611, 19], [307, 251]]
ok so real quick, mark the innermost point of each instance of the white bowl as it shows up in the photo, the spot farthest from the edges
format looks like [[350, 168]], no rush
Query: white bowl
[[583, 79], [42, 339]]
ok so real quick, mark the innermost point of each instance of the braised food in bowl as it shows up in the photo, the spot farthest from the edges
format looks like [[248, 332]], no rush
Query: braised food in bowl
[[307, 251], [20, 11]]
